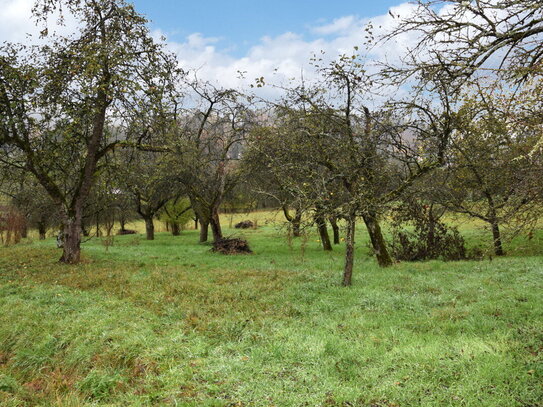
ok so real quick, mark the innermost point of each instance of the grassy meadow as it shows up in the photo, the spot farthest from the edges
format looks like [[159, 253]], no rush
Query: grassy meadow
[[168, 323]]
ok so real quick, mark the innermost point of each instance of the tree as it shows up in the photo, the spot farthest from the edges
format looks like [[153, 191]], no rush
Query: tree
[[176, 213], [39, 210], [28, 199], [343, 159], [206, 147], [465, 36], [270, 152], [59, 102], [147, 177], [492, 176]]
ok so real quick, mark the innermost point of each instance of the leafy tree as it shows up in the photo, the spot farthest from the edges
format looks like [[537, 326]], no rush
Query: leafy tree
[[177, 213], [342, 159], [206, 148], [267, 168], [30, 200], [60, 102], [492, 175], [147, 177], [419, 231]]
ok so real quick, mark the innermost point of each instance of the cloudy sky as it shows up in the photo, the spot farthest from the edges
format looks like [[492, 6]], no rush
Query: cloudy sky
[[274, 39]]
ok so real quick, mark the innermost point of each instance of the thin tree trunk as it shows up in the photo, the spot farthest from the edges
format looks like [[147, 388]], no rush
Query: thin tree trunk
[[98, 231], [335, 229], [496, 235], [377, 240], [149, 228], [196, 223], [323, 232], [349, 251]]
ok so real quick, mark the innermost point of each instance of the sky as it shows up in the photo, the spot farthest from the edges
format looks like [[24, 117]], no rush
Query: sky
[[270, 39], [240, 24]]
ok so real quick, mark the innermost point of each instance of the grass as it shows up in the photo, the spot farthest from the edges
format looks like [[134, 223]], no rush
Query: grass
[[168, 323]]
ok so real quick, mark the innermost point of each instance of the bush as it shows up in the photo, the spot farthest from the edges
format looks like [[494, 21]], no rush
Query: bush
[[429, 239]]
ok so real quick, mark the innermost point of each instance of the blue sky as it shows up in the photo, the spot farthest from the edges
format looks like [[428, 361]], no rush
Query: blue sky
[[240, 24], [218, 40]]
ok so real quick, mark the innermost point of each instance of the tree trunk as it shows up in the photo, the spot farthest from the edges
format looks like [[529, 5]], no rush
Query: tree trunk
[[72, 238], [295, 221], [323, 232], [335, 229], [176, 230], [196, 223], [377, 240], [496, 235], [204, 226], [24, 229], [216, 226], [149, 228], [349, 251], [42, 230], [122, 221], [98, 231]]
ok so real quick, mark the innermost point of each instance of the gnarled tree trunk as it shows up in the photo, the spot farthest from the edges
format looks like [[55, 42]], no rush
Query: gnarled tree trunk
[[71, 253], [377, 240], [216, 226], [295, 221]]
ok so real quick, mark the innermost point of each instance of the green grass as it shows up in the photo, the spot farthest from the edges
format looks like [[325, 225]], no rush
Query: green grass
[[168, 323]]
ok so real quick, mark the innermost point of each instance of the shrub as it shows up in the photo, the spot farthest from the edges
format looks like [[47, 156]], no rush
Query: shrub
[[429, 238]]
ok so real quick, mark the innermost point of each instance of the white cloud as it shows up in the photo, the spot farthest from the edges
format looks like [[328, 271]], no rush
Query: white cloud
[[338, 26], [15, 21], [17, 24], [284, 57], [277, 59]]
